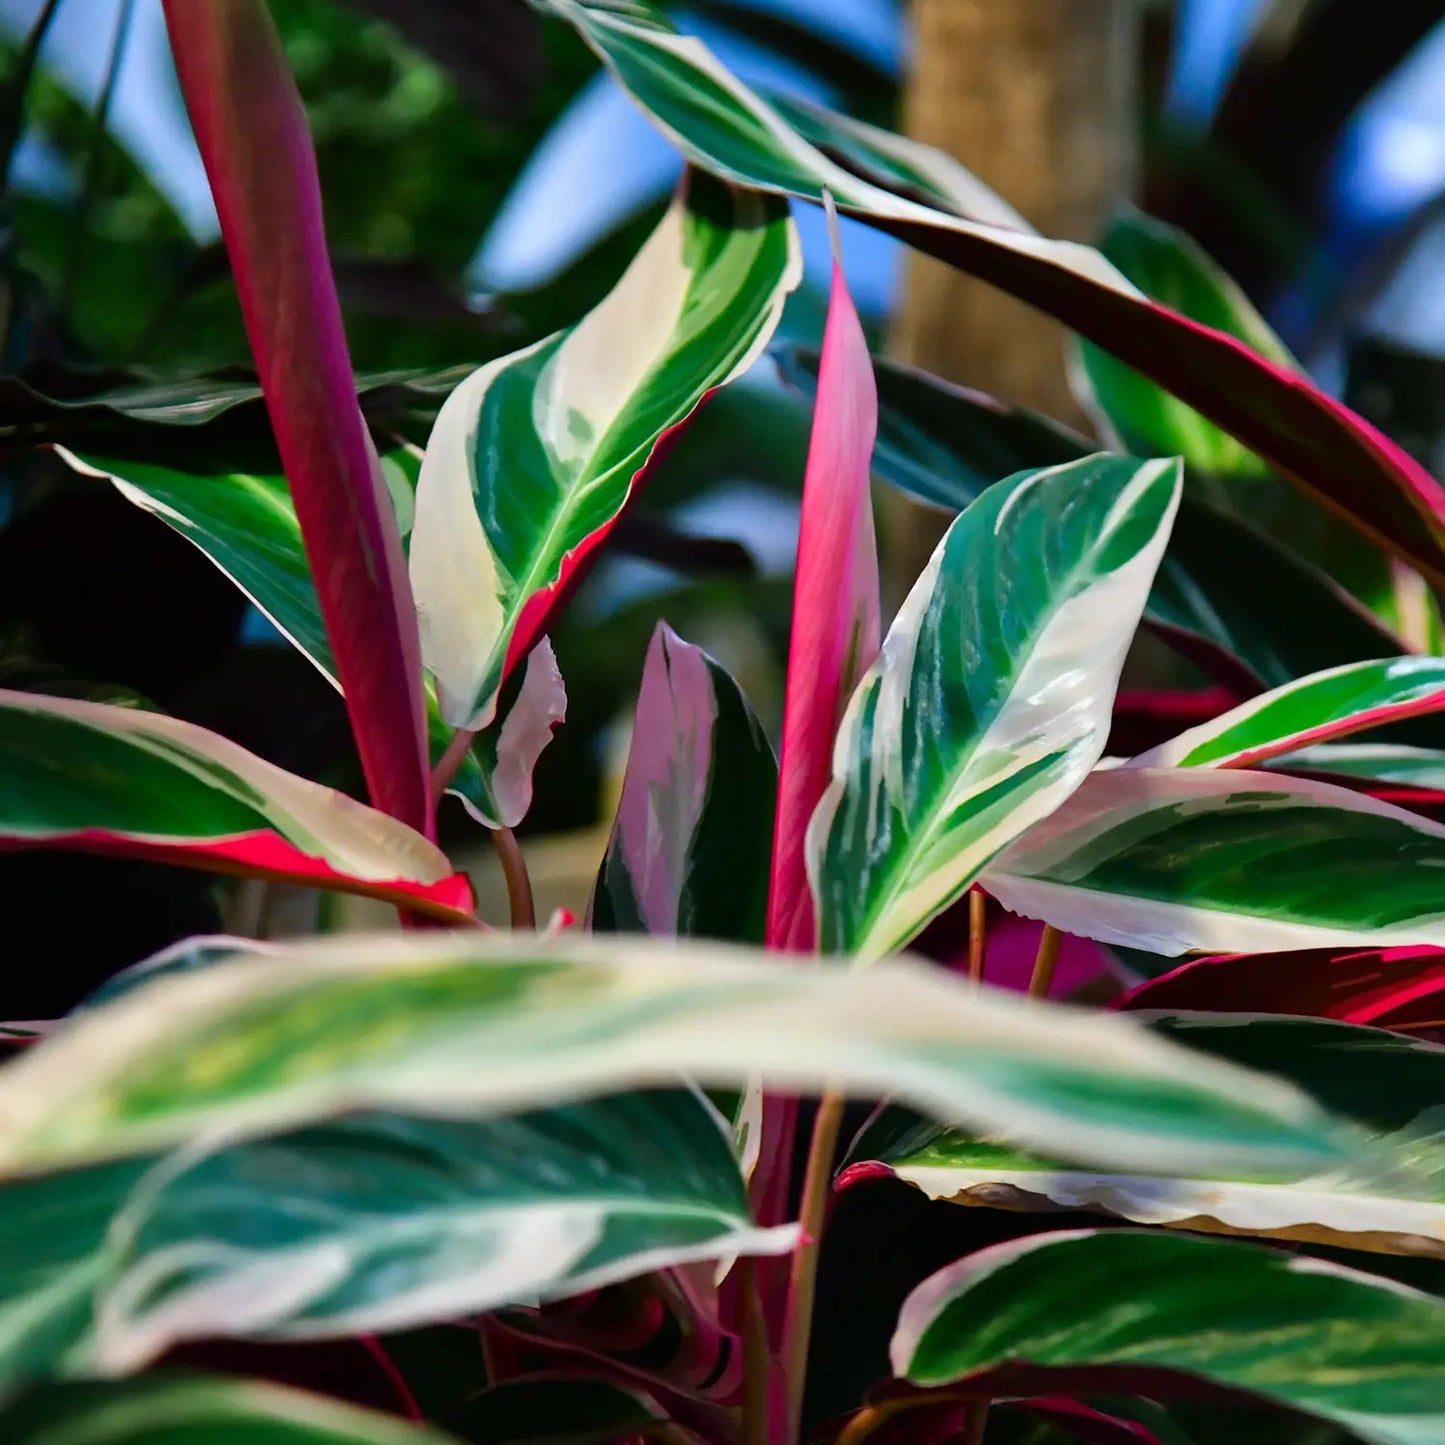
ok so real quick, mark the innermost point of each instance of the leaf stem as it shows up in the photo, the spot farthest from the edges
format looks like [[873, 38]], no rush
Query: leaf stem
[[977, 933], [514, 870], [977, 1422], [802, 1282], [1050, 941], [450, 761], [865, 1422], [757, 1365]]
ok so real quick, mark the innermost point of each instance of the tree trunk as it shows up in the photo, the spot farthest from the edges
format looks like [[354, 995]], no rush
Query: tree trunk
[[1036, 98]]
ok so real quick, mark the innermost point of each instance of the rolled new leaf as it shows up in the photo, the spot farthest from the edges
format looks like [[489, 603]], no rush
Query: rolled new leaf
[[117, 780], [991, 699], [1378, 1079], [534, 456], [466, 1024], [253, 138], [1133, 1312], [1174, 860], [721, 125], [688, 854], [1317, 709]]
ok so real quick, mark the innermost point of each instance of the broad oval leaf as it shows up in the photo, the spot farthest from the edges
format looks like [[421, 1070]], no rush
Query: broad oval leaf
[[1127, 1310], [118, 780], [1313, 710], [1174, 860], [466, 1024], [534, 456], [1380, 1080], [167, 1410], [689, 848], [991, 699], [1226, 595], [723, 126]]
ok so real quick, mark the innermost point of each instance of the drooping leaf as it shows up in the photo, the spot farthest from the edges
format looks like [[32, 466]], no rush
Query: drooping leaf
[[177, 1410], [837, 622], [1316, 709], [1410, 767], [246, 524], [534, 456], [253, 137], [1173, 860], [1382, 1081], [118, 780], [1071, 1311], [990, 701], [721, 125], [1225, 594], [689, 850], [465, 1023], [1402, 989]]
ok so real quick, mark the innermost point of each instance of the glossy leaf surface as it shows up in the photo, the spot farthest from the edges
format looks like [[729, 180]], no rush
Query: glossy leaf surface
[[991, 699]]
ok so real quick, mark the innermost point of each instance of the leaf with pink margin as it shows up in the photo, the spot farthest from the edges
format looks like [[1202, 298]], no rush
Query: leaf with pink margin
[[253, 138]]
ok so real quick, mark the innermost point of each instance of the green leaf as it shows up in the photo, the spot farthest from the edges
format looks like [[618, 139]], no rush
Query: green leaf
[[119, 780], [1381, 1080], [185, 1411], [1060, 1309], [991, 699], [534, 456], [691, 843], [1314, 710], [1173, 860], [467, 1024], [1223, 590], [1382, 762]]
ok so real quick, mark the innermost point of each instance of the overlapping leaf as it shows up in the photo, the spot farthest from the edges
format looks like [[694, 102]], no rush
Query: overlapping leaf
[[466, 1024], [721, 125], [1398, 763], [1174, 860], [1134, 1311], [534, 456], [118, 780], [991, 699], [1313, 710], [1381, 1080], [1226, 595], [689, 848]]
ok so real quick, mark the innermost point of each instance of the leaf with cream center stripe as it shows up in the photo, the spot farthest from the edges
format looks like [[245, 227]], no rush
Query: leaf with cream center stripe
[[467, 1024], [1176, 860], [991, 699], [534, 456]]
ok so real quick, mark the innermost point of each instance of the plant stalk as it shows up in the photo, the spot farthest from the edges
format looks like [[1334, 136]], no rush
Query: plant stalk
[[757, 1364], [519, 883], [1042, 980], [803, 1280], [977, 933], [450, 762], [977, 1423]]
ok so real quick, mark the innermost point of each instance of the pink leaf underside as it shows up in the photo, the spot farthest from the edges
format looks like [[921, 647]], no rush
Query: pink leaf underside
[[836, 623], [264, 854], [1393, 988], [254, 140]]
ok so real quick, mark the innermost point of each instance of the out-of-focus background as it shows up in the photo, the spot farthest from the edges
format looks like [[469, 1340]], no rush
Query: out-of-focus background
[[485, 183]]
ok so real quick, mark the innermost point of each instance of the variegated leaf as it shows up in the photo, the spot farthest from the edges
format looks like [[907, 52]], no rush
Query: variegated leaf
[[467, 1024], [1398, 763], [689, 849], [1172, 860], [534, 456], [1316, 709], [991, 699]]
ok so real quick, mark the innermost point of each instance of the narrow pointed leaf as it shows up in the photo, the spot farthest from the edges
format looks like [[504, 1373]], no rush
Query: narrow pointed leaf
[[117, 780], [534, 456], [1316, 709], [1398, 763], [1381, 1080], [689, 851], [1127, 1310], [246, 524], [991, 699], [169, 1410], [1226, 595], [721, 125], [466, 1024], [253, 138], [1174, 860], [837, 622]]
